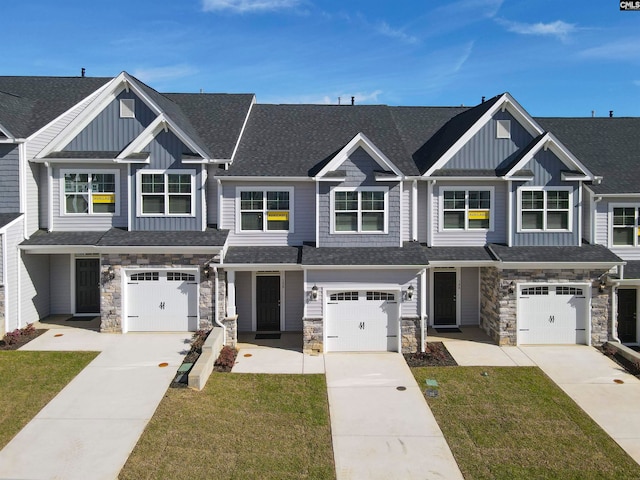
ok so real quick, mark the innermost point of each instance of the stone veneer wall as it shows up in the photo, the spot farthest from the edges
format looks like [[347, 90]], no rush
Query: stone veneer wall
[[312, 335], [111, 291], [2, 332], [410, 334], [498, 307]]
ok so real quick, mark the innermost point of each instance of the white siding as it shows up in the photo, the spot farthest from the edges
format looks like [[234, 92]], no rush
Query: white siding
[[423, 214], [601, 228], [43, 198], [34, 288], [469, 296], [1, 257], [14, 235], [294, 298], [405, 212], [60, 281], [244, 301], [32, 182]]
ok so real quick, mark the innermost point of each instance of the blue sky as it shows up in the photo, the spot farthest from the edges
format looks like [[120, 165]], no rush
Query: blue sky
[[558, 58]]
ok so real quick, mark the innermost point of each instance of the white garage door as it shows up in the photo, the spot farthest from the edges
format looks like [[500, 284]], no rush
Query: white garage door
[[552, 314], [362, 321], [162, 301]]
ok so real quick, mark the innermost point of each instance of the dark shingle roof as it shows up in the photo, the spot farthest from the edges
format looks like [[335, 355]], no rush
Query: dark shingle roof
[[469, 254], [270, 255], [45, 238], [410, 254], [35, 101], [208, 238], [6, 218], [632, 269], [82, 154], [609, 147], [550, 254]]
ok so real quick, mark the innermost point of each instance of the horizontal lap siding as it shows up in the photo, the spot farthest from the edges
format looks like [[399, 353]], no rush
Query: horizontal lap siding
[[63, 222], [423, 213], [469, 296], [60, 281], [14, 236], [303, 215], [212, 198], [43, 198], [603, 229], [34, 288], [602, 222], [294, 298], [406, 211], [33, 187], [244, 301], [9, 179]]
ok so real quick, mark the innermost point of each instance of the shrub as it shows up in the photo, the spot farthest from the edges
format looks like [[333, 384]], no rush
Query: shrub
[[11, 338], [197, 340], [28, 330], [226, 359]]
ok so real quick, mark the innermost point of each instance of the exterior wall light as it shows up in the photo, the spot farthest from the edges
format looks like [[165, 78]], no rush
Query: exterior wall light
[[207, 270], [410, 292], [314, 292], [512, 287], [602, 285]]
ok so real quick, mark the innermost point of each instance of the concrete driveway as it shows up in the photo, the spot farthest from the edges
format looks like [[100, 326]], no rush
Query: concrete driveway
[[89, 429], [378, 430]]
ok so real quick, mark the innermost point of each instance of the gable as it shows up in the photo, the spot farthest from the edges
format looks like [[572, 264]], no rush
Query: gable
[[359, 169], [108, 132], [547, 169], [167, 151]]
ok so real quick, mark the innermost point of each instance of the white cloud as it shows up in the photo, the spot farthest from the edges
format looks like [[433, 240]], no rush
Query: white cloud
[[557, 29], [156, 74], [622, 49], [384, 29], [247, 6]]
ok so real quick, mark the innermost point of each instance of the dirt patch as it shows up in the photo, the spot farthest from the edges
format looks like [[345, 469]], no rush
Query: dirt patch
[[435, 355], [15, 341]]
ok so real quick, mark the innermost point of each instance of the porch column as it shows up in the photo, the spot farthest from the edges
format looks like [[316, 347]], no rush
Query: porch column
[[231, 293]]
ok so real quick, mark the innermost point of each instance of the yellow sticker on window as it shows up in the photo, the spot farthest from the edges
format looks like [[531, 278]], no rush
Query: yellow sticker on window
[[277, 216], [478, 214], [104, 198]]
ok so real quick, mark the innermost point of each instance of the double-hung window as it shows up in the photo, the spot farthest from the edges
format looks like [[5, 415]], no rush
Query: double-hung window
[[625, 226], [89, 192], [360, 210], [166, 193], [545, 209], [466, 209], [265, 209]]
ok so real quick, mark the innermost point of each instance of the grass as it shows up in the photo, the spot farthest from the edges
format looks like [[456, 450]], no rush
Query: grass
[[29, 381], [240, 426], [516, 423]]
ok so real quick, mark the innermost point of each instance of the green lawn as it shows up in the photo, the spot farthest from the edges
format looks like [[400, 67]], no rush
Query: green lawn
[[29, 381], [516, 423], [241, 426]]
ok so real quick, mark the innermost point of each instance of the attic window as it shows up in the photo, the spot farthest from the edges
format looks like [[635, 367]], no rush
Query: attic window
[[503, 128], [127, 108]]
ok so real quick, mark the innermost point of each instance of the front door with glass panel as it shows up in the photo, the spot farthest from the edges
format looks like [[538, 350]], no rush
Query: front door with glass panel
[[444, 299]]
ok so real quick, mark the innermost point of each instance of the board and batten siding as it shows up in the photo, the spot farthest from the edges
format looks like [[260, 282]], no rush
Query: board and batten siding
[[304, 228], [34, 288], [467, 238], [469, 296], [379, 280], [485, 151], [110, 133], [359, 171], [166, 154], [244, 301], [60, 284], [294, 300], [14, 236], [9, 179], [97, 222]]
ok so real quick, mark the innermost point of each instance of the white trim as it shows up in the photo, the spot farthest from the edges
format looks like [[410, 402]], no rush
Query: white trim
[[98, 249], [203, 196], [509, 213], [429, 220], [580, 213], [82, 161], [360, 140], [414, 210], [220, 200], [359, 231], [129, 192], [249, 178], [433, 271], [3, 279], [7, 226], [127, 108], [544, 210], [402, 206], [244, 125], [145, 137], [317, 219], [465, 189], [88, 171], [49, 197], [636, 227], [22, 180], [423, 308], [139, 195], [503, 129], [264, 190]]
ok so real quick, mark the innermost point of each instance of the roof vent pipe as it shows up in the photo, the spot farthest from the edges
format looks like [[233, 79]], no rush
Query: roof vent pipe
[[483, 97], [353, 101], [593, 114], [610, 113], [82, 72]]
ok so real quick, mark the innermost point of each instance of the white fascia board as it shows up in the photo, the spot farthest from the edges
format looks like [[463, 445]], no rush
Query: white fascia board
[[146, 161], [238, 178], [96, 249], [462, 263], [520, 114], [244, 125], [6, 227], [615, 195], [527, 157], [360, 140], [83, 161], [464, 179], [330, 179], [364, 267], [630, 282], [561, 151], [556, 265], [258, 267]]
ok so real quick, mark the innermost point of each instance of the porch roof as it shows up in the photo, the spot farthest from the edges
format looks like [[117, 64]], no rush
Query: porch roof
[[458, 254], [411, 253], [6, 218], [44, 238], [632, 270], [555, 254], [209, 238], [263, 255]]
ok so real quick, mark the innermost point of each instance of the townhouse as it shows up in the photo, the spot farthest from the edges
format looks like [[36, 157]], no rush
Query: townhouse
[[359, 226]]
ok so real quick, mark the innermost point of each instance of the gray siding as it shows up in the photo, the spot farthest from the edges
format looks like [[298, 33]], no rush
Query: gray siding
[[166, 154], [108, 132], [1, 257], [244, 301], [406, 211], [212, 197], [9, 179], [547, 170], [469, 296], [303, 216], [423, 213], [485, 151], [14, 235], [60, 284], [602, 222], [360, 168], [587, 199], [294, 298], [443, 237], [73, 222], [603, 228], [43, 198], [33, 189], [34, 288]]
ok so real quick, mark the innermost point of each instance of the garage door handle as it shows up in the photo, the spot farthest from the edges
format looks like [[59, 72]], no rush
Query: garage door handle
[[392, 336], [332, 336]]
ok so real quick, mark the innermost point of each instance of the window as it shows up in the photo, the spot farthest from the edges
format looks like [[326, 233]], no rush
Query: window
[[180, 277], [625, 226], [146, 277], [89, 192], [127, 108], [166, 193], [266, 210], [381, 296], [568, 291], [343, 296], [545, 209], [360, 211], [535, 291], [466, 209]]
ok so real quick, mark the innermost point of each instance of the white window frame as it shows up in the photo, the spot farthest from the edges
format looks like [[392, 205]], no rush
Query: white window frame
[[264, 191], [466, 190], [359, 231], [503, 129], [165, 173], [89, 171], [636, 228], [127, 108], [544, 210]]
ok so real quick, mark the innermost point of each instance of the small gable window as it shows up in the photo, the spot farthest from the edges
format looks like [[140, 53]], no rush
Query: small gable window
[[166, 193], [548, 209], [360, 210], [265, 209], [625, 226], [89, 192], [464, 209], [503, 128], [127, 108]]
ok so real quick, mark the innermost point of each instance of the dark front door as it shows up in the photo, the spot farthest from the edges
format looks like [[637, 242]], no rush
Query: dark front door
[[268, 302], [87, 285], [627, 315], [444, 299]]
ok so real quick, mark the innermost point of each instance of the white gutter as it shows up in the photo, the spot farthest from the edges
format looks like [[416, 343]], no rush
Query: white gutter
[[414, 210], [216, 315], [509, 214], [430, 185], [49, 197], [614, 311]]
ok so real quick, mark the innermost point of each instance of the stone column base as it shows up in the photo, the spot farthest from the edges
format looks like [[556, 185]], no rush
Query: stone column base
[[312, 336], [410, 334], [231, 326]]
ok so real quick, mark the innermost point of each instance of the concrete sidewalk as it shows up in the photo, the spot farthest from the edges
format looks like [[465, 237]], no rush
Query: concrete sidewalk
[[89, 429], [380, 431]]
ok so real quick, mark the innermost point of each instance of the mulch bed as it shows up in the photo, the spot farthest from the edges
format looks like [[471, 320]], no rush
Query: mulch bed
[[21, 340], [629, 366], [435, 355]]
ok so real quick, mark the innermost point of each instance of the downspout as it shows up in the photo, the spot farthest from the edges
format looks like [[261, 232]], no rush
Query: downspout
[[216, 315], [509, 214], [423, 309], [614, 311], [430, 185], [414, 211]]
